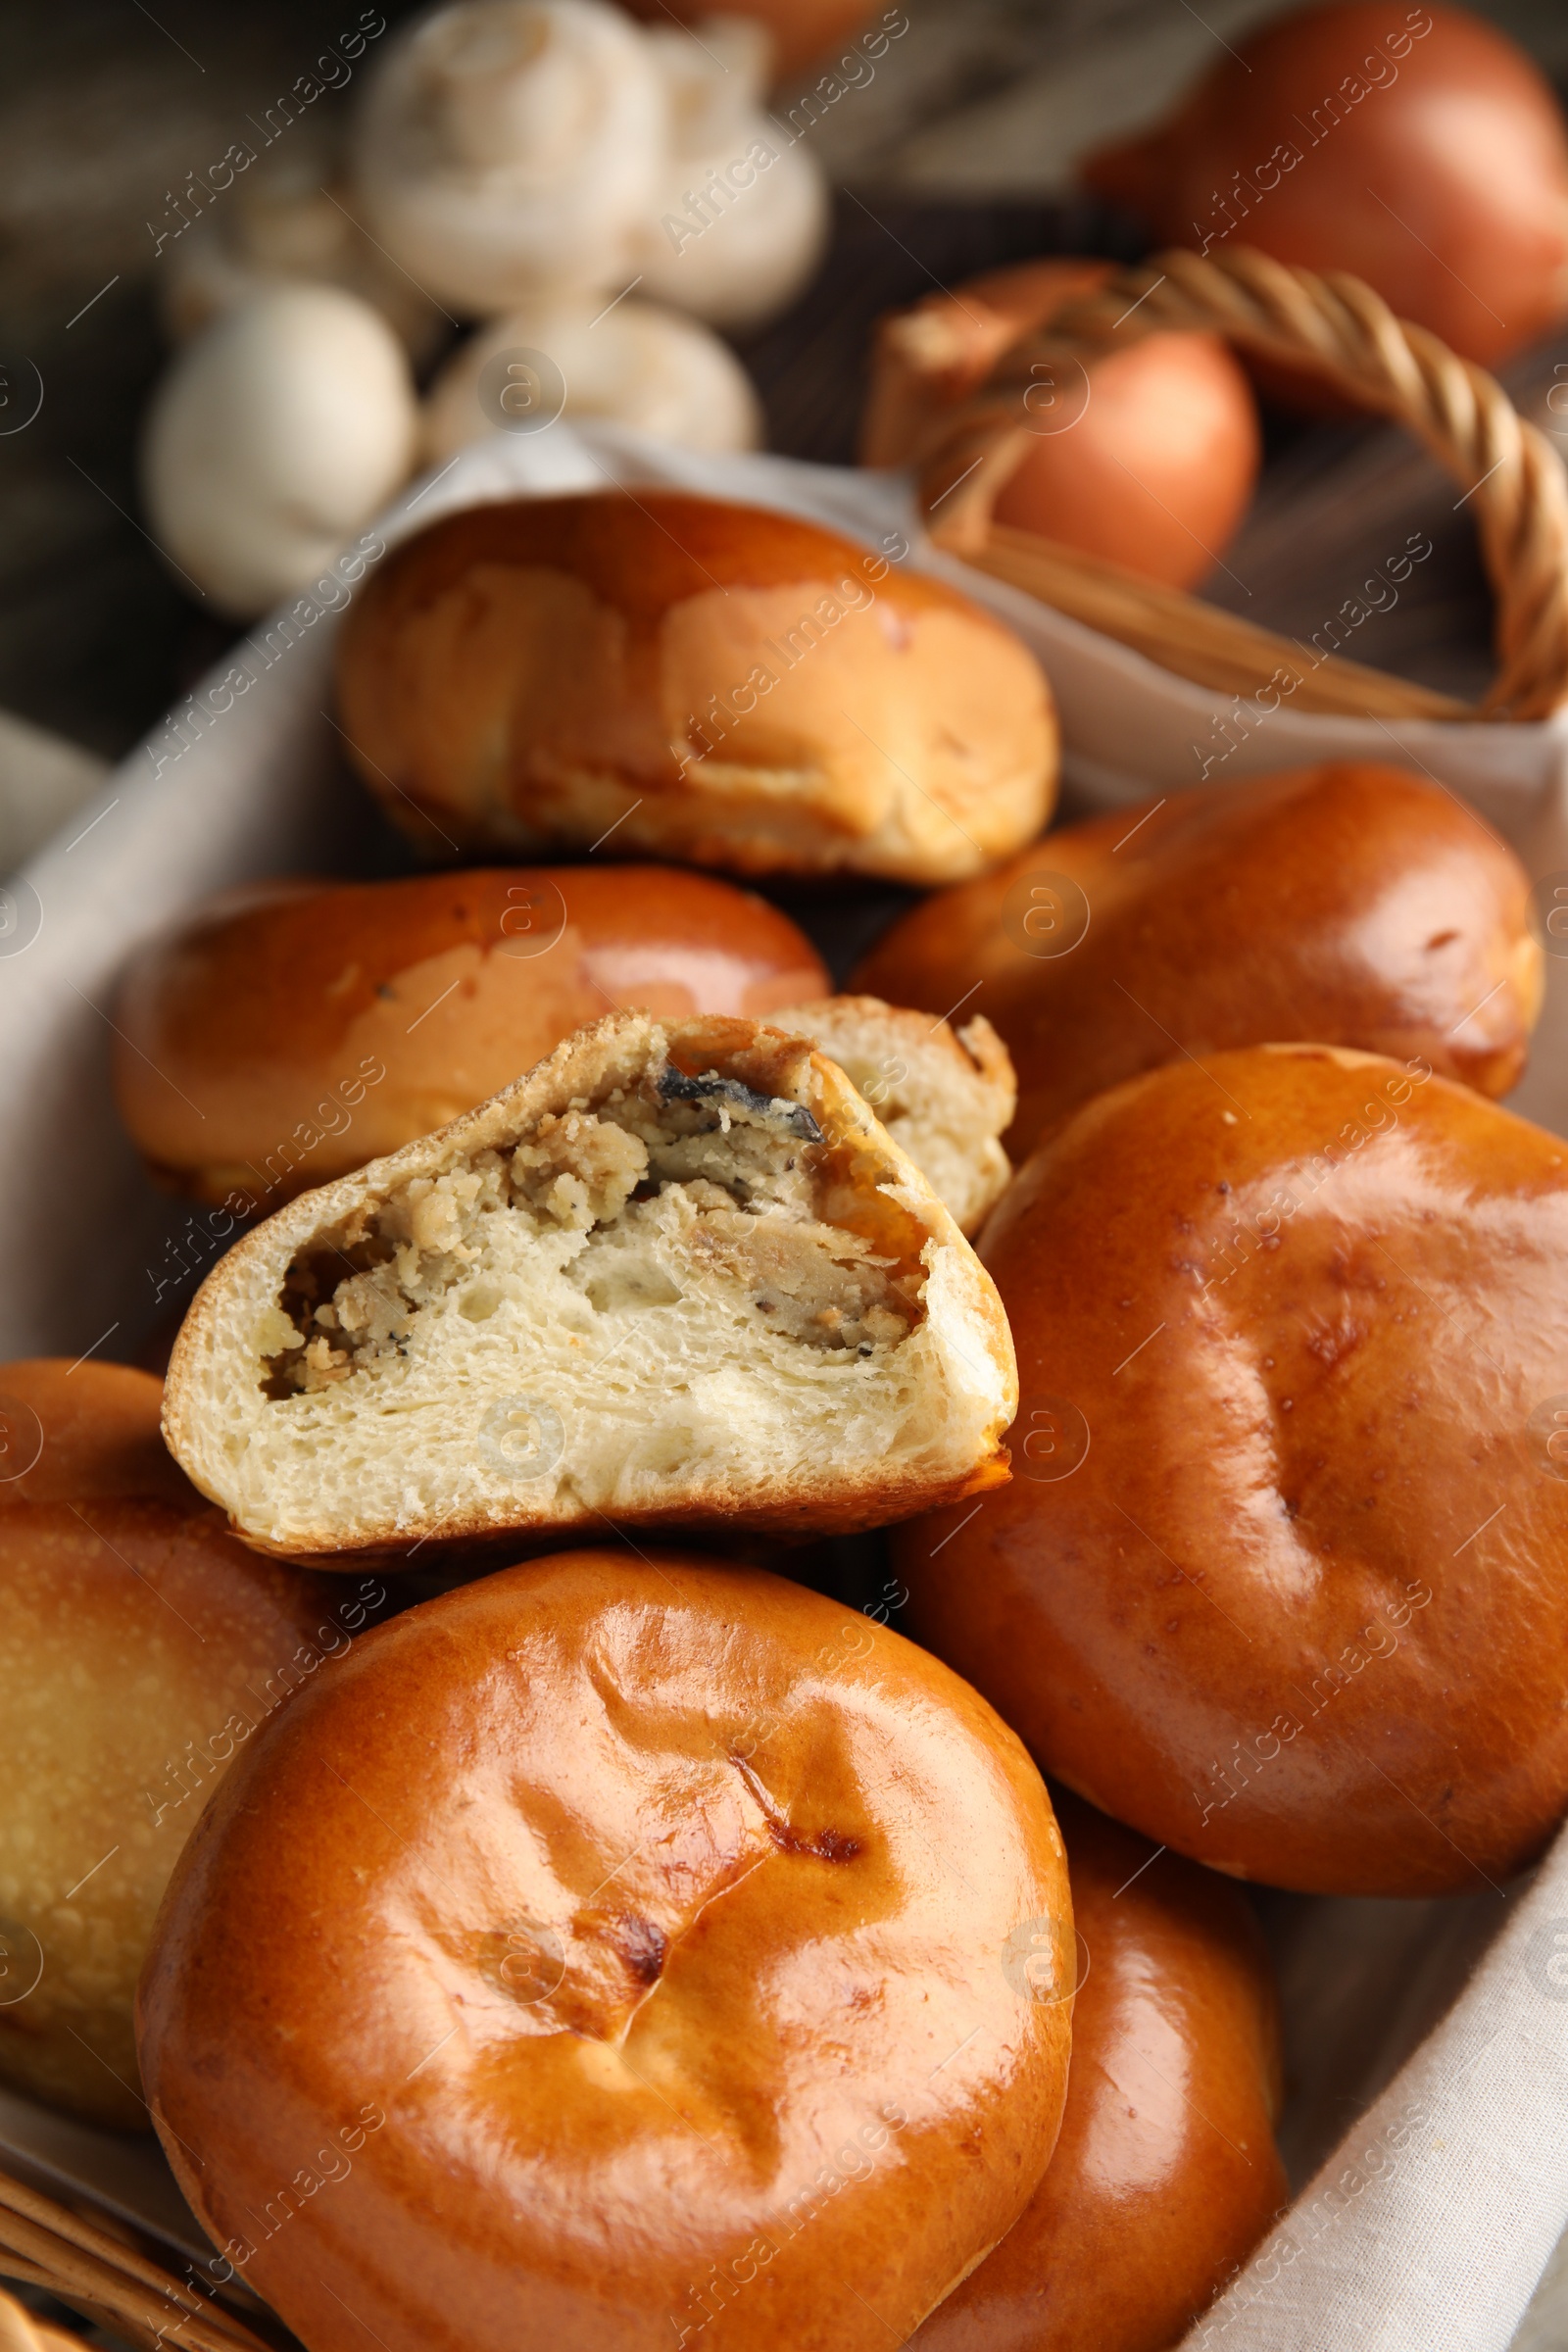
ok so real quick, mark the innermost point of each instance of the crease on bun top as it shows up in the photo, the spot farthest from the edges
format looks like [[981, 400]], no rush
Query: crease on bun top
[[677, 1274]]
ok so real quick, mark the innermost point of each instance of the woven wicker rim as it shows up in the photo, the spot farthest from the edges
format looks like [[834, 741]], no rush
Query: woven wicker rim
[[44, 2243], [1510, 474]]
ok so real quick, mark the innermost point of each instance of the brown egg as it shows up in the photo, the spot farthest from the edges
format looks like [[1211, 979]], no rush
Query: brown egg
[[609, 1948], [726, 685], [141, 1647], [1420, 149], [1165, 2176], [292, 1031], [1350, 905], [1282, 1576]]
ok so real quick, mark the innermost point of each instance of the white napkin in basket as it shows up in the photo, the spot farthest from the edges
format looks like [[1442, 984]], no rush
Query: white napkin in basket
[[1428, 2228]]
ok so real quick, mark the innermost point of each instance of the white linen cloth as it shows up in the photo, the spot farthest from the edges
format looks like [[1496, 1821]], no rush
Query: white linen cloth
[[1428, 2228]]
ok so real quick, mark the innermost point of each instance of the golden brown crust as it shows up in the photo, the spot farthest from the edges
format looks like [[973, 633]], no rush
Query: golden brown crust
[[139, 1646], [73, 1431], [1350, 903], [1165, 2176], [945, 1096], [219, 1420], [654, 1970], [1282, 1577], [290, 1031], [724, 684]]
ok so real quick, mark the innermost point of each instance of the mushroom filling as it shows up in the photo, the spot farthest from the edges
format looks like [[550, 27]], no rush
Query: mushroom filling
[[677, 1184]]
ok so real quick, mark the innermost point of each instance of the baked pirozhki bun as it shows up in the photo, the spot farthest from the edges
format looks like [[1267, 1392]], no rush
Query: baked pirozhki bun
[[1349, 905], [613, 1947], [1165, 2176], [677, 1274], [944, 1096], [85, 1434], [142, 1648], [1282, 1577], [289, 1032], [717, 683]]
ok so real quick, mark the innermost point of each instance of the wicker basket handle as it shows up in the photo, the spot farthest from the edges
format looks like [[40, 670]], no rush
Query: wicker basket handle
[[1336, 326], [95, 2273]]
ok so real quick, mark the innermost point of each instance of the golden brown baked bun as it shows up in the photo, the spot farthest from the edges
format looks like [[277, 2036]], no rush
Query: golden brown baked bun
[[657, 1969], [291, 1031], [142, 1647], [1165, 2176], [1283, 1578], [1349, 903], [944, 1096], [677, 1275], [711, 683], [76, 1434]]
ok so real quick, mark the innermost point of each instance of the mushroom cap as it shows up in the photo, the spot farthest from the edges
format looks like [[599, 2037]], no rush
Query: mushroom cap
[[742, 212], [639, 364], [274, 436], [505, 146]]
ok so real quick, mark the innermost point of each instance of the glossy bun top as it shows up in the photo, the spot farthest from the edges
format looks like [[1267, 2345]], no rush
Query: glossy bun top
[[631, 1936], [1281, 1576]]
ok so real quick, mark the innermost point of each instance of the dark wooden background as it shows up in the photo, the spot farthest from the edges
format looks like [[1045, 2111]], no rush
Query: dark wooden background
[[104, 108]]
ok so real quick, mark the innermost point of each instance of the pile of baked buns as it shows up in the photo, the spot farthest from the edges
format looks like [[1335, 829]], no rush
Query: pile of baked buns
[[561, 1917]]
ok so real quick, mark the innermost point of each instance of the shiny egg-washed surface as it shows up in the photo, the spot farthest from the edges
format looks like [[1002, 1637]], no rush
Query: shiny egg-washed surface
[[1281, 1578], [289, 1032], [1165, 2174], [1349, 905], [627, 1944]]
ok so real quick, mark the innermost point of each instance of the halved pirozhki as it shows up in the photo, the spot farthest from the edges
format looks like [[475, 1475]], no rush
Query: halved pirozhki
[[678, 1273], [945, 1096]]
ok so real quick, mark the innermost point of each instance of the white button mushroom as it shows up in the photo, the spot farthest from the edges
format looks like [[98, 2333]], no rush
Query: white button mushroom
[[288, 220], [637, 364], [742, 214], [507, 147], [274, 437]]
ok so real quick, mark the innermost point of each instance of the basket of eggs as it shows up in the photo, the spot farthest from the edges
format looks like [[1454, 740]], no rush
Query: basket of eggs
[[765, 1530]]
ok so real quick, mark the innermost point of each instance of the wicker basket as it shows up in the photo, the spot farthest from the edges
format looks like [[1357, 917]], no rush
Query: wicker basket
[[118, 2287], [254, 799], [964, 447]]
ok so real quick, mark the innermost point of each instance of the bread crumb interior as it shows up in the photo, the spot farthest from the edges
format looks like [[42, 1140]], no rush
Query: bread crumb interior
[[677, 1195]]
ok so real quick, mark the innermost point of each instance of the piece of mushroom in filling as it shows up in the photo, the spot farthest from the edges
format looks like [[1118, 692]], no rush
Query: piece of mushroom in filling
[[677, 1179]]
